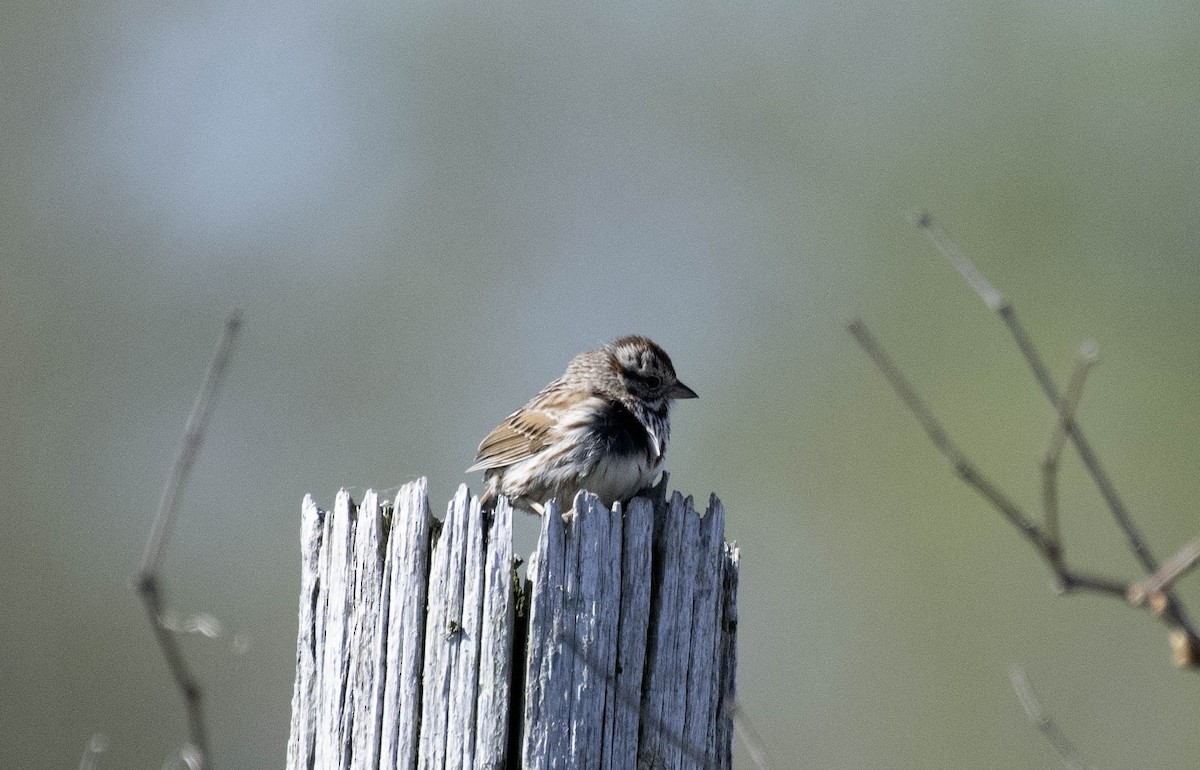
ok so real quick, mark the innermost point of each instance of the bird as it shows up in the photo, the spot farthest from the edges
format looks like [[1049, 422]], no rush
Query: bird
[[603, 426]]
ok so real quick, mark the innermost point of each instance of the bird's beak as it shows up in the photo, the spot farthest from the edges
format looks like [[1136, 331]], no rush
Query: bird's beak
[[682, 391]]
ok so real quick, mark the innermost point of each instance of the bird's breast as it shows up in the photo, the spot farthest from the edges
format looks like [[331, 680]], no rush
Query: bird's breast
[[617, 431], [619, 477]]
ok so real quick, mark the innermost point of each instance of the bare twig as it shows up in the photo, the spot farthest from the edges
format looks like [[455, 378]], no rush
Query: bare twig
[[1043, 721], [96, 745], [1048, 548], [1172, 569], [962, 263], [147, 580], [193, 437], [748, 735], [184, 759], [1174, 612], [1088, 354]]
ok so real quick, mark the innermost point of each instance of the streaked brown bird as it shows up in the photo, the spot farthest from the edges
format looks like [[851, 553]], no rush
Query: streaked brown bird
[[603, 426]]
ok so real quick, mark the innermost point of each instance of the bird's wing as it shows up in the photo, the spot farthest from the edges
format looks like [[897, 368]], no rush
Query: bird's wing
[[522, 435]]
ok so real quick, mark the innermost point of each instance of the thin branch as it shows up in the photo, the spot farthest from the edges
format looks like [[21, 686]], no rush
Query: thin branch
[[147, 580], [1077, 581], [1086, 454], [993, 300], [188, 686], [748, 735], [937, 434], [1043, 721], [906, 392], [1068, 580], [1171, 570], [1087, 356], [193, 437], [962, 263]]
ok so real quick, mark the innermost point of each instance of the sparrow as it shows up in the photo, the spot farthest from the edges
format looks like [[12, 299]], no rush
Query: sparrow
[[602, 426]]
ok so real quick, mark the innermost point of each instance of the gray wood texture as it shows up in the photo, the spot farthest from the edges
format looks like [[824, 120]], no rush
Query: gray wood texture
[[409, 650]]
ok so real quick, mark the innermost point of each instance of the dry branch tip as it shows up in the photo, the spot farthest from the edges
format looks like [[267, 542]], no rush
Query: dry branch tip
[[969, 271], [1042, 720]]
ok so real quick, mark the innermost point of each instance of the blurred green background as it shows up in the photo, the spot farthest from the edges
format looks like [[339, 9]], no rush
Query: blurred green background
[[426, 209]]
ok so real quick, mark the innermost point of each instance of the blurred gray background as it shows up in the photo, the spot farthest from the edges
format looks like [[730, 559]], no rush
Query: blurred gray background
[[426, 209]]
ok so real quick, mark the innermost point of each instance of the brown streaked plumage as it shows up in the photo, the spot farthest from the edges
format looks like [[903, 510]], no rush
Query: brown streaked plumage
[[603, 426]]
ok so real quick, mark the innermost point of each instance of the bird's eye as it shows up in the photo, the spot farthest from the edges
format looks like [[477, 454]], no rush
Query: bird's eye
[[654, 381]]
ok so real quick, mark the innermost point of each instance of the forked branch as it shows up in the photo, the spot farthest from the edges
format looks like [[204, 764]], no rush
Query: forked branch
[[1154, 590], [1173, 611], [1088, 354], [1046, 545]]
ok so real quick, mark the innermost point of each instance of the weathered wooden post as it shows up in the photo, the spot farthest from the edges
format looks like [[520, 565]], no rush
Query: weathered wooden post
[[419, 648]]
